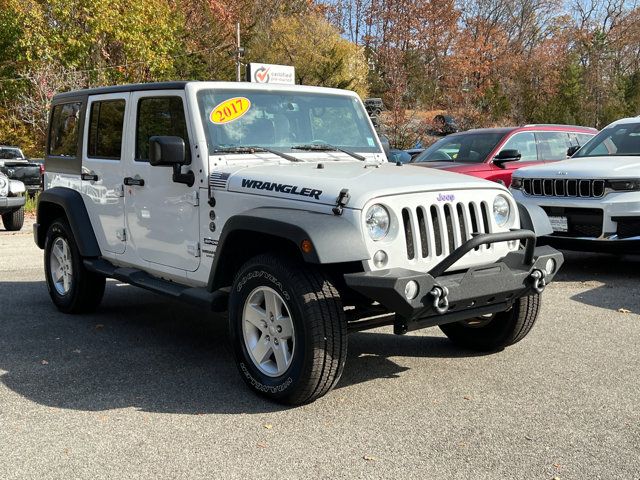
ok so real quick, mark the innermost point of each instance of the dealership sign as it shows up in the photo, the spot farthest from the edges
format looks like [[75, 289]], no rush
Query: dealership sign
[[266, 73]]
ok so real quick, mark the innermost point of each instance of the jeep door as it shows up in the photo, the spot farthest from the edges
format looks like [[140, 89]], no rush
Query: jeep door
[[161, 215], [105, 146]]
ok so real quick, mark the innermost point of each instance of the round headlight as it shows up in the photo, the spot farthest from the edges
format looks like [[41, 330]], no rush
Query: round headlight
[[501, 210], [377, 220]]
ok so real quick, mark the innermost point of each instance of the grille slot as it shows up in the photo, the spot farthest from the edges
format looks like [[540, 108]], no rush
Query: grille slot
[[464, 235], [422, 227], [450, 233], [408, 233], [548, 187], [437, 234]]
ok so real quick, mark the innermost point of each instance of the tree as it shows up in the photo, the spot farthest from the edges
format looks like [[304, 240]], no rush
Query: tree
[[312, 45]]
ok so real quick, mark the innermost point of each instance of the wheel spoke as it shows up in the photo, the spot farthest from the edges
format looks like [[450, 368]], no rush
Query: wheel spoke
[[262, 350], [256, 316], [271, 304], [281, 353], [66, 281], [58, 253]]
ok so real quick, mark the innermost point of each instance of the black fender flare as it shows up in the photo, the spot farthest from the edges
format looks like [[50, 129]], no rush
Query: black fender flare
[[71, 202], [334, 238], [534, 218]]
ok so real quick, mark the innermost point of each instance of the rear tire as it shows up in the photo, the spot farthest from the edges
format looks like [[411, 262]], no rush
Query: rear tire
[[13, 221], [498, 332], [73, 288], [308, 325]]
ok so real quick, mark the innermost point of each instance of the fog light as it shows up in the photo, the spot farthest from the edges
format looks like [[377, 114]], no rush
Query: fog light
[[380, 259], [550, 266], [411, 289]]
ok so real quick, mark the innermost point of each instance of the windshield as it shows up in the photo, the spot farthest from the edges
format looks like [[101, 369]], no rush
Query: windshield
[[618, 140], [282, 120], [10, 153], [466, 147]]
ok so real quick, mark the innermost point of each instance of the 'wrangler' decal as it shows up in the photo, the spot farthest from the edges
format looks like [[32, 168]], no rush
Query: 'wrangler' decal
[[282, 188]]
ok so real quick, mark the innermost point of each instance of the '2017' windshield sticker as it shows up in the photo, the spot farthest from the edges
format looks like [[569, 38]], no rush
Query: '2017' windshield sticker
[[230, 110]]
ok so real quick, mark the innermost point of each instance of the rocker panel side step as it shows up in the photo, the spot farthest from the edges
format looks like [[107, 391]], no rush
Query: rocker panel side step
[[196, 296]]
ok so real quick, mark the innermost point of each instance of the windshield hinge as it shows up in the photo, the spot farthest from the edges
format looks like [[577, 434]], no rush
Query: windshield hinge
[[342, 201], [193, 198]]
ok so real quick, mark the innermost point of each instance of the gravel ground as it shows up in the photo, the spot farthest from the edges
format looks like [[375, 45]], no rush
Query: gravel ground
[[146, 388]]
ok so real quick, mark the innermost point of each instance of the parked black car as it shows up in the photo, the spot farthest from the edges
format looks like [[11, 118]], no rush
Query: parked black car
[[15, 165]]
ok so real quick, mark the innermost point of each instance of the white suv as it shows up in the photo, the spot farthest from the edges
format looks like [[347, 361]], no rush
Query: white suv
[[593, 198], [277, 204]]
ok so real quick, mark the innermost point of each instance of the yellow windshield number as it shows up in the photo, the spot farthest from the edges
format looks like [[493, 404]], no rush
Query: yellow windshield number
[[230, 110]]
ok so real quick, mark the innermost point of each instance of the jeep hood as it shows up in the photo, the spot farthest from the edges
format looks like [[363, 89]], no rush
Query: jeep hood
[[606, 167], [323, 182]]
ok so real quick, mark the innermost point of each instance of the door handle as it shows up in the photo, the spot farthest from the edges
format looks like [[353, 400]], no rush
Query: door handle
[[131, 181], [91, 177]]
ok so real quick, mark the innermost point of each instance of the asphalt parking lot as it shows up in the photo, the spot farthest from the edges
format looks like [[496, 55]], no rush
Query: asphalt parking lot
[[146, 388]]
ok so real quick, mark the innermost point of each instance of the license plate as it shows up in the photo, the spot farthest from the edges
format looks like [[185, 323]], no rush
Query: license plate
[[559, 224]]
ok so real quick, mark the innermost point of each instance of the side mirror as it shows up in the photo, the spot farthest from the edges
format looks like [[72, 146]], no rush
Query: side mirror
[[572, 150], [386, 146], [505, 156], [165, 150]]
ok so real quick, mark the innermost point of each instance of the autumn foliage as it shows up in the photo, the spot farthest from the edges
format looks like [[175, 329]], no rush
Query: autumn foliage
[[487, 62]]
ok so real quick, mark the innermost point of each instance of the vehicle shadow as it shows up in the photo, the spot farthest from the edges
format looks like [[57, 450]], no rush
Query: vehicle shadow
[[614, 279], [144, 351]]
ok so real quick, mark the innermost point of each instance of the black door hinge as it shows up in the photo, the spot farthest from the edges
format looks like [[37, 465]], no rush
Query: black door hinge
[[342, 201]]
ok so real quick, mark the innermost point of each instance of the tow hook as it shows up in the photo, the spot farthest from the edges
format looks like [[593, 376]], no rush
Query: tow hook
[[440, 300], [538, 280]]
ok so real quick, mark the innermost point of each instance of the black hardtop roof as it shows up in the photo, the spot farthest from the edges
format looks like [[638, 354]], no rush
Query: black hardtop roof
[[132, 87]]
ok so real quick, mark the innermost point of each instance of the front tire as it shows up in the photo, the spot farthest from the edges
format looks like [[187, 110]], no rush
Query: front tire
[[498, 331], [73, 288], [13, 221], [288, 330]]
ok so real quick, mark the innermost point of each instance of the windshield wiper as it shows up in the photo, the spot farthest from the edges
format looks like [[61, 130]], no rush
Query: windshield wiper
[[325, 147], [245, 149]]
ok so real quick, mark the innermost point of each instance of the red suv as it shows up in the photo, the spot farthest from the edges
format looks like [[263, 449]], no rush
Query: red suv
[[494, 153]]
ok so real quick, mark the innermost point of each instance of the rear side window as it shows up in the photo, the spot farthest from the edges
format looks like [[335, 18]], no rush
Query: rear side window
[[63, 133], [159, 116], [553, 145], [105, 129]]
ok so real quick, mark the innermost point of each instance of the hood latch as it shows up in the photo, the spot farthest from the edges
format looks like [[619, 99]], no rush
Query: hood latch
[[342, 201]]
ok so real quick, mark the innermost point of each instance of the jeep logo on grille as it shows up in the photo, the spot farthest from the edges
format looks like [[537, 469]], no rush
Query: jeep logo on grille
[[446, 197]]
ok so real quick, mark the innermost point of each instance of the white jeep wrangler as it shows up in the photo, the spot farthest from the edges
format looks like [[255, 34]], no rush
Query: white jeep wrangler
[[277, 204]]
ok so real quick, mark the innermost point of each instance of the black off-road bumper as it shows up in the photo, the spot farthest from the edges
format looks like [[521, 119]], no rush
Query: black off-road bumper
[[449, 297], [11, 204]]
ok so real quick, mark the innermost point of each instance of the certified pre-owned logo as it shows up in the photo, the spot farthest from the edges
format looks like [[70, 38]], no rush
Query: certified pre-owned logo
[[261, 75], [446, 197]]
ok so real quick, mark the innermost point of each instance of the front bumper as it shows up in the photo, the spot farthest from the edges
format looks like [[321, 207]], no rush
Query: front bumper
[[11, 204], [477, 291]]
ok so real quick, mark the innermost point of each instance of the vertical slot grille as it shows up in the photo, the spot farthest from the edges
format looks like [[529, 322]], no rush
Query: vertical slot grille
[[408, 233]]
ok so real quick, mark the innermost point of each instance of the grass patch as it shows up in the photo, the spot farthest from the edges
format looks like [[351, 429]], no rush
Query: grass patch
[[31, 204]]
